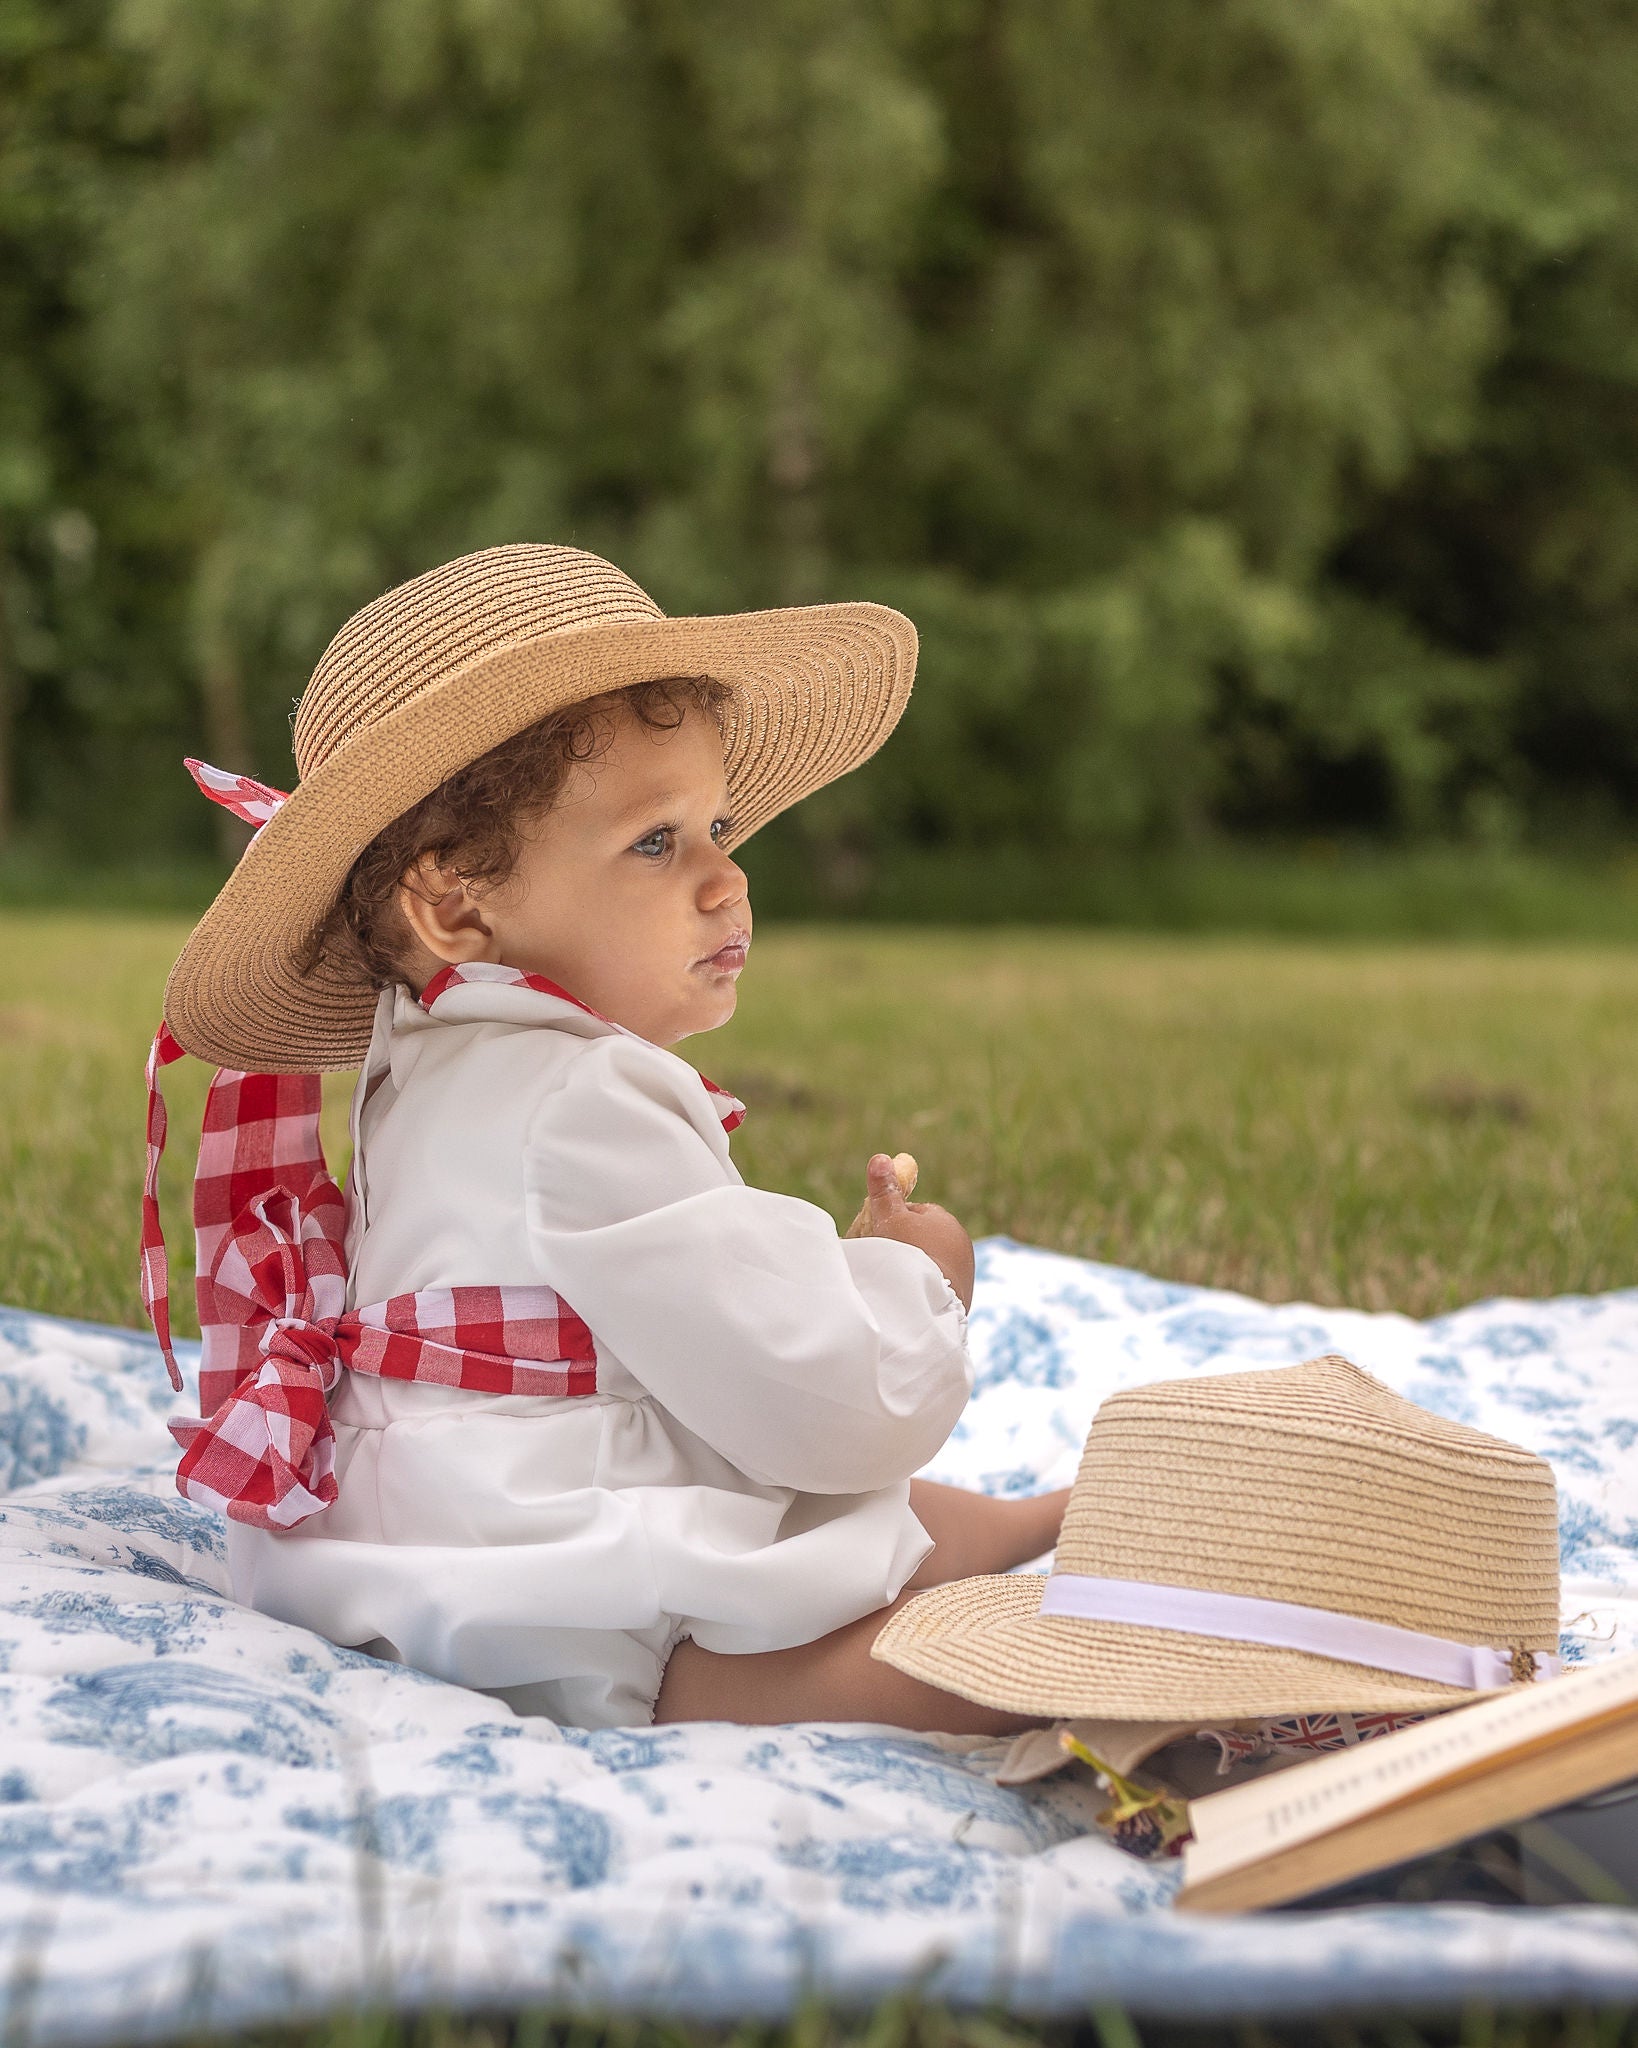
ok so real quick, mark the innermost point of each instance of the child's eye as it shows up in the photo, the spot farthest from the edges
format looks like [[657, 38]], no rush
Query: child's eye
[[720, 829], [654, 845]]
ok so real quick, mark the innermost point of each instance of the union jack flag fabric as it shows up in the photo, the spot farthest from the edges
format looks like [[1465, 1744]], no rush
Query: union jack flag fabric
[[271, 1282], [1303, 1735]]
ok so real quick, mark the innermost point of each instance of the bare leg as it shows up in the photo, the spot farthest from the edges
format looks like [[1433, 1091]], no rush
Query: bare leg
[[973, 1533], [836, 1678]]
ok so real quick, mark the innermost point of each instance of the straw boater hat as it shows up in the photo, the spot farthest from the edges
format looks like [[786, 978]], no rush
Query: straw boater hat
[[433, 674], [1266, 1543]]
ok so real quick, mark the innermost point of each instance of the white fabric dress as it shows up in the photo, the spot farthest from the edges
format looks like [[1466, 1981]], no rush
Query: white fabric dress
[[764, 1387]]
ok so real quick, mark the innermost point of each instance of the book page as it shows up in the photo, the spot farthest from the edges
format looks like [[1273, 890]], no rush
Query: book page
[[1515, 1785], [1295, 1805]]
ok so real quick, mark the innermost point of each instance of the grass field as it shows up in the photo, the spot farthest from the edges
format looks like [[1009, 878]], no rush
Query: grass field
[[901, 2023], [1400, 1126], [1390, 1126]]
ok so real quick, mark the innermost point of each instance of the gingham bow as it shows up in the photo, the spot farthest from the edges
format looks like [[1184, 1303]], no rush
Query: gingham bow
[[279, 1279], [271, 1280]]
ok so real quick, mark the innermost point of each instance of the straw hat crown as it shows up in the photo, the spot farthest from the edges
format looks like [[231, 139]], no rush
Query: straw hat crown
[[1313, 1485], [1319, 1485], [412, 638]]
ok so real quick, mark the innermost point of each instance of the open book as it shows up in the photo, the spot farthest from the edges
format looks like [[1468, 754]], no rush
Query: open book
[[1477, 1768]]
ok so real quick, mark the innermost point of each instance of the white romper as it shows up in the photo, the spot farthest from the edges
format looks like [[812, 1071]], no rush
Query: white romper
[[764, 1387]]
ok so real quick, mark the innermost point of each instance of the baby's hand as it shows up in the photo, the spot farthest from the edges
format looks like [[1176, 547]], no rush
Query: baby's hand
[[924, 1224]]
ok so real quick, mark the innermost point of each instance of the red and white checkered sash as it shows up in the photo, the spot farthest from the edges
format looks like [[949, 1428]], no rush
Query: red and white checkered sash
[[270, 1225]]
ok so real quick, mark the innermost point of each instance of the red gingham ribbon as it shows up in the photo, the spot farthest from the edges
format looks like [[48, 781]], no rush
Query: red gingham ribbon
[[270, 1224], [271, 1279], [243, 795]]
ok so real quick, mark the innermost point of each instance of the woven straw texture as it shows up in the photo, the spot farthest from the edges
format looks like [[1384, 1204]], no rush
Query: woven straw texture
[[436, 672], [1313, 1484]]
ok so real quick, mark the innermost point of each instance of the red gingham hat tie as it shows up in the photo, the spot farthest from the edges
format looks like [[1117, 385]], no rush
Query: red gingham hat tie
[[271, 1277], [246, 798]]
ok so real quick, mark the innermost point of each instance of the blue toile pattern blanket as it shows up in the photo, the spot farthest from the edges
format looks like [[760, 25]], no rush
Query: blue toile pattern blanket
[[209, 1820]]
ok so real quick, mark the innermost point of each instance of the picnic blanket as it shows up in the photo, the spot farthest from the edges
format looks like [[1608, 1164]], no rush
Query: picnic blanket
[[210, 1820]]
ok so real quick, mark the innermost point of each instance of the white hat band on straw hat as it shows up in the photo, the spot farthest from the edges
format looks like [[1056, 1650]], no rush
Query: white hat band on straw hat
[[1282, 1625]]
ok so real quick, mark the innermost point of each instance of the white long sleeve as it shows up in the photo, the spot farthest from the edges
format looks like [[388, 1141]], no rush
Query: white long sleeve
[[807, 1360]]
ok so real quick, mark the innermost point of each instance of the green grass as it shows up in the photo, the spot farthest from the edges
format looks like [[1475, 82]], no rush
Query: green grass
[[1389, 1126], [906, 2023]]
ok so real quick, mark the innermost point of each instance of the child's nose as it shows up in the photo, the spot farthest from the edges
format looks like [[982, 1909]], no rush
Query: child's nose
[[724, 883]]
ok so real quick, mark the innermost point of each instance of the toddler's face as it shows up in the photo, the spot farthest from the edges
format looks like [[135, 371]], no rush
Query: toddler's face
[[622, 895]]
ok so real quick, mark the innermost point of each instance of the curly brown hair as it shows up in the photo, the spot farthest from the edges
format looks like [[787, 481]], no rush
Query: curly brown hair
[[474, 822]]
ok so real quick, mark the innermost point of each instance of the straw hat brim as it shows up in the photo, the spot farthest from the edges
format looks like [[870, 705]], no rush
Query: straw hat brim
[[986, 1640], [816, 690]]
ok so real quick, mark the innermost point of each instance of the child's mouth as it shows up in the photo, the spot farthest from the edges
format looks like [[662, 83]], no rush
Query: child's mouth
[[729, 957]]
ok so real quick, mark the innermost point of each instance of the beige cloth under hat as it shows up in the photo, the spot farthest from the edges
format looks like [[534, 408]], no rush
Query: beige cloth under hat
[[436, 672], [1313, 1485]]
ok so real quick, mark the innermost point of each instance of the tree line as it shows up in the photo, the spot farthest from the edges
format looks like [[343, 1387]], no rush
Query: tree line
[[1240, 394]]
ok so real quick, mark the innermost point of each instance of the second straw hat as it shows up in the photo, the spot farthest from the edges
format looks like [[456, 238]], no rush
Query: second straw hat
[[1293, 1541]]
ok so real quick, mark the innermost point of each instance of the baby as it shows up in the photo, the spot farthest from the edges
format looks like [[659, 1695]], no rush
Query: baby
[[554, 1405]]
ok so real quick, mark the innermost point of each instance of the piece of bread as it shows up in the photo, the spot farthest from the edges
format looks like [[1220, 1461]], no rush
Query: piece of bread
[[905, 1172]]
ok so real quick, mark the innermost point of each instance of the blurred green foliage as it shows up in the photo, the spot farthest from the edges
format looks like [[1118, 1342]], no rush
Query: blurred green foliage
[[1242, 397]]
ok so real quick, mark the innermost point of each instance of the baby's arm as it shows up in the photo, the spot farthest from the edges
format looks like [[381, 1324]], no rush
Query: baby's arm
[[808, 1361]]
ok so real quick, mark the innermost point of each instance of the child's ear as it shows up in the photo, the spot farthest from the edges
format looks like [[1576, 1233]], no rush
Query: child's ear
[[444, 914]]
